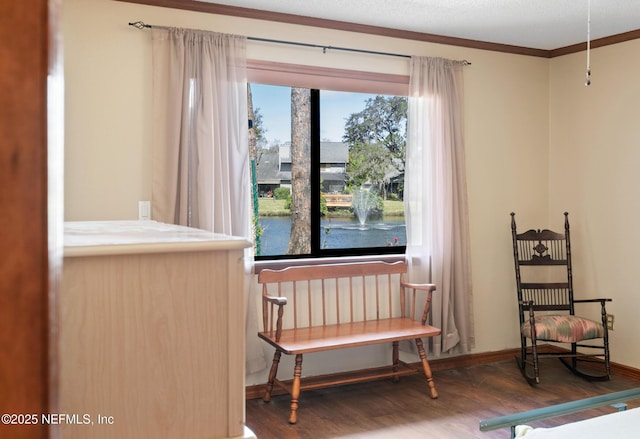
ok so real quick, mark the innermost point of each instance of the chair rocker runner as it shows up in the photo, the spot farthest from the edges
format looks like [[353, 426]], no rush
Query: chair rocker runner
[[546, 307]]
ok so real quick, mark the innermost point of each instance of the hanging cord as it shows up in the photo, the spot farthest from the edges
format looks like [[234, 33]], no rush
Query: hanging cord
[[587, 81]]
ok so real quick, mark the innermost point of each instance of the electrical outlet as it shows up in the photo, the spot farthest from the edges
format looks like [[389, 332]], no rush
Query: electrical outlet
[[610, 322]]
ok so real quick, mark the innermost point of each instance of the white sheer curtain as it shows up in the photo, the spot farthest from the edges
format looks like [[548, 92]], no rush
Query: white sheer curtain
[[436, 198], [200, 140]]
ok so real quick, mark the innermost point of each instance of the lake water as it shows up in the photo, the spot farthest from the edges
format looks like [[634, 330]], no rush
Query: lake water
[[342, 233]]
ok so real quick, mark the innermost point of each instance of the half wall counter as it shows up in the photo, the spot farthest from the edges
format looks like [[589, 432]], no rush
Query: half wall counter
[[151, 332]]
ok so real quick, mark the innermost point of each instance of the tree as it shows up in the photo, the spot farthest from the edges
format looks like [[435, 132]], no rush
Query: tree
[[377, 138], [299, 243], [369, 162], [259, 129], [384, 121], [256, 131], [252, 129]]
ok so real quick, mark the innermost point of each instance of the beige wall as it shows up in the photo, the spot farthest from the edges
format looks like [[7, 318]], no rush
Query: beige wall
[[594, 161], [519, 112]]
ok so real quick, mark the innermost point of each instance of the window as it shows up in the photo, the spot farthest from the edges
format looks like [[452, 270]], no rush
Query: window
[[329, 168]]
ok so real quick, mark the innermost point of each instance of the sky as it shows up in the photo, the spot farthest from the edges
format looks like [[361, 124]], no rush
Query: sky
[[274, 103]]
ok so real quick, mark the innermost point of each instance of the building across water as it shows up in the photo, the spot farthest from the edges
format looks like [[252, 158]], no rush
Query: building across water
[[274, 167]]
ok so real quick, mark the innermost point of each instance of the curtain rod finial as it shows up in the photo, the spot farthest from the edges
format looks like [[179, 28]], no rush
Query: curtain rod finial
[[140, 25]]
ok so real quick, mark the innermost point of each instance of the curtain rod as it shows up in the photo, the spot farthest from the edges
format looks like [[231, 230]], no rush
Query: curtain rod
[[142, 25]]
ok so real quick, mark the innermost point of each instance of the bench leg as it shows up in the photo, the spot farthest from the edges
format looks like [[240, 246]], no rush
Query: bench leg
[[427, 370], [396, 361], [272, 376], [295, 390]]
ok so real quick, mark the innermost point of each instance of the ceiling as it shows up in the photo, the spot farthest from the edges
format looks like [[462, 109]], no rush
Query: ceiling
[[538, 24]]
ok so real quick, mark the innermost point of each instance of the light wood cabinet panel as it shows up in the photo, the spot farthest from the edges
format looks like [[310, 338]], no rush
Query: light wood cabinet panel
[[152, 344]]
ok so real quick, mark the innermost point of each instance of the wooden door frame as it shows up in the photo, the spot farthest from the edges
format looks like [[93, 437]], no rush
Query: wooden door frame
[[31, 126]]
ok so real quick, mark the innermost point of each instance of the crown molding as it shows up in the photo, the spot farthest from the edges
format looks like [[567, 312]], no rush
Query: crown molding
[[235, 11], [600, 42]]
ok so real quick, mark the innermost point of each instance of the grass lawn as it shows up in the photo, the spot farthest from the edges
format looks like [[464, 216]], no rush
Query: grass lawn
[[273, 207], [393, 208]]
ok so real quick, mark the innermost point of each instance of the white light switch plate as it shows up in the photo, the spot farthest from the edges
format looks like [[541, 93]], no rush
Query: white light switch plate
[[144, 210]]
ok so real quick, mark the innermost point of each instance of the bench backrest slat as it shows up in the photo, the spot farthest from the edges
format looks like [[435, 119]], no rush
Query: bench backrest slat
[[295, 304], [337, 301], [390, 304], [364, 298], [310, 308], [350, 299], [324, 307]]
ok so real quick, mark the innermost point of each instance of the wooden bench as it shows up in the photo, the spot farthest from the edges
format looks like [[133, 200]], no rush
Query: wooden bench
[[338, 200], [336, 306]]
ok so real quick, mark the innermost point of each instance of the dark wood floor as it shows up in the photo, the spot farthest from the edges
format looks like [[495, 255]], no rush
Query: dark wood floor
[[382, 409]]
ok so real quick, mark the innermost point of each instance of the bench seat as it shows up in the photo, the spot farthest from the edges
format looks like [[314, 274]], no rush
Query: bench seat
[[348, 335]]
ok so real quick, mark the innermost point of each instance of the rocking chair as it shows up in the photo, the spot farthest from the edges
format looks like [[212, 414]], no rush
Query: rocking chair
[[546, 307]]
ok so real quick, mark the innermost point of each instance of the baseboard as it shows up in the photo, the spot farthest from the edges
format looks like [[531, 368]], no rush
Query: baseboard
[[469, 360], [625, 371], [438, 364], [617, 369]]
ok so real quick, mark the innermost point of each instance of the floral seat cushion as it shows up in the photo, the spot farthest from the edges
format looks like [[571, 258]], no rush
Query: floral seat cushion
[[563, 328]]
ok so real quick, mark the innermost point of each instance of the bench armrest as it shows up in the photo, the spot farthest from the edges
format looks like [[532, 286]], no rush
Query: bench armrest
[[280, 301], [429, 288], [425, 287], [267, 315]]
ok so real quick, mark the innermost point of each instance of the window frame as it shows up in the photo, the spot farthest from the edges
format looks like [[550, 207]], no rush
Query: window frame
[[318, 79]]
